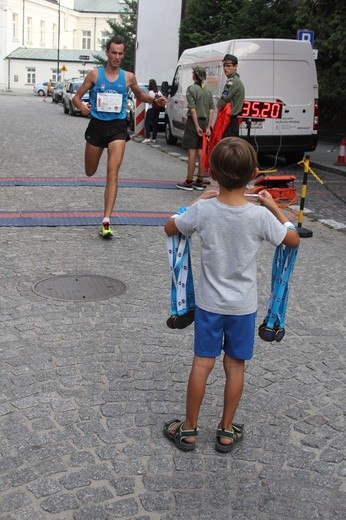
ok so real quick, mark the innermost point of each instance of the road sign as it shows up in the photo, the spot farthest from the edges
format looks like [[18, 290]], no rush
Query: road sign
[[306, 36], [63, 68]]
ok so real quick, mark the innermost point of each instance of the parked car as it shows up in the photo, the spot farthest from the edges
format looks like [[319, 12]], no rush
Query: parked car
[[41, 88], [131, 110], [57, 92], [70, 88]]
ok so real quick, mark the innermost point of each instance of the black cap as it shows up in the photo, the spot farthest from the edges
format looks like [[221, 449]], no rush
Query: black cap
[[230, 57]]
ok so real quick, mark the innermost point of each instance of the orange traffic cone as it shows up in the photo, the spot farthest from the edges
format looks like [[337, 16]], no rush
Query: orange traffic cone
[[341, 157]]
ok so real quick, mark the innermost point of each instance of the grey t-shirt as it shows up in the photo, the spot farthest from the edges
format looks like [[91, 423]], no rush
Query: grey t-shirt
[[230, 239]]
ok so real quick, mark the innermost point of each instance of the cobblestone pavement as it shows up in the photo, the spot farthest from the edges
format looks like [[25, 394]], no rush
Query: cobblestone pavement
[[85, 387]]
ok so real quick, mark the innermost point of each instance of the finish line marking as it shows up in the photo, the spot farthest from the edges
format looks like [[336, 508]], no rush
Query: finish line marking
[[80, 218]]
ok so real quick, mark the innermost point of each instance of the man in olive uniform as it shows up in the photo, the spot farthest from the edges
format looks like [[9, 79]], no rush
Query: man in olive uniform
[[233, 93]]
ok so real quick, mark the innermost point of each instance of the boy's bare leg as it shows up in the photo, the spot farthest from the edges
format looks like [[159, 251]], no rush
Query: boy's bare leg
[[200, 370], [234, 370]]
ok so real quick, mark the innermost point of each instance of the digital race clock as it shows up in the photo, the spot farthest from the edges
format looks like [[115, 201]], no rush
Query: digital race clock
[[262, 109]]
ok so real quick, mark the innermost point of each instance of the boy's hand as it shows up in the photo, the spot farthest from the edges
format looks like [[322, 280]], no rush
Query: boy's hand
[[209, 194], [265, 199]]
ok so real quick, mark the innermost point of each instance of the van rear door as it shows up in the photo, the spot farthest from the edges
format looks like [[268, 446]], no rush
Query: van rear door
[[295, 83]]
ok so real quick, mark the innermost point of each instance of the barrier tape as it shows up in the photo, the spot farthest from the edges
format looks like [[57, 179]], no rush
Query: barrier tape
[[306, 165]]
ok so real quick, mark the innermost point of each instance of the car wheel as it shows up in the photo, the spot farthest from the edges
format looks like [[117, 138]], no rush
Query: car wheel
[[41, 93], [71, 111], [170, 138], [132, 123], [65, 108]]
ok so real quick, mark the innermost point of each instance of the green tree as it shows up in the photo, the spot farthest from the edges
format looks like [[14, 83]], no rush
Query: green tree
[[126, 30], [327, 19], [210, 21]]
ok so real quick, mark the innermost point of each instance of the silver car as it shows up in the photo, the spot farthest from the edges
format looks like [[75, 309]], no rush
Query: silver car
[[41, 88], [69, 91]]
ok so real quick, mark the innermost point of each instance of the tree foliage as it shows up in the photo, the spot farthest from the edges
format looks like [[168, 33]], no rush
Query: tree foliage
[[126, 30], [210, 21]]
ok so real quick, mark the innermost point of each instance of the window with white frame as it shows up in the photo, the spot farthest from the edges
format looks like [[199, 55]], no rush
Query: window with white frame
[[54, 34], [104, 39], [31, 75], [14, 26], [29, 29], [86, 40], [42, 32]]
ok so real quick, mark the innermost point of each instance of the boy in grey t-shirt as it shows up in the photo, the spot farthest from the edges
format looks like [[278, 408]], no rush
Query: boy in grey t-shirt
[[231, 230]]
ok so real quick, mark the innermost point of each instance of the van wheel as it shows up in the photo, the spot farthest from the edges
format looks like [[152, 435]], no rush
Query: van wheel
[[72, 112], [65, 109], [293, 157], [170, 138]]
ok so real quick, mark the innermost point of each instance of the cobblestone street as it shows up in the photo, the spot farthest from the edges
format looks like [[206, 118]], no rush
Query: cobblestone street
[[85, 387]]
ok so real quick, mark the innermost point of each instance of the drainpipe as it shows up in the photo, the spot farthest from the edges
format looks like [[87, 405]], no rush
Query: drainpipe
[[23, 27]]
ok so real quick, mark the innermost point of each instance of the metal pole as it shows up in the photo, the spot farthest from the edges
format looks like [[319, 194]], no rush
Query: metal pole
[[303, 232], [58, 55]]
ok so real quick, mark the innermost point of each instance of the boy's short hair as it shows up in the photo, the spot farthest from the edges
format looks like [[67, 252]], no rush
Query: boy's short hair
[[232, 162]]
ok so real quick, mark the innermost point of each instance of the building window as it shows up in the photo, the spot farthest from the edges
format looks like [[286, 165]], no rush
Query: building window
[[54, 75], [31, 75], [29, 29], [15, 26], [86, 40], [104, 39], [55, 34], [42, 32]]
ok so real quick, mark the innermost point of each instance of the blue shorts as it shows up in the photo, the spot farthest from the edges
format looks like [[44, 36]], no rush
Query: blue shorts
[[216, 332]]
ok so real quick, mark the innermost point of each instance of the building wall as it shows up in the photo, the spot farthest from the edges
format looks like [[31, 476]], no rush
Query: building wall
[[44, 70], [42, 32], [157, 49]]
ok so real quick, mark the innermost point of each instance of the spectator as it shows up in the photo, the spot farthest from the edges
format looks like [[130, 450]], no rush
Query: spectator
[[152, 115]]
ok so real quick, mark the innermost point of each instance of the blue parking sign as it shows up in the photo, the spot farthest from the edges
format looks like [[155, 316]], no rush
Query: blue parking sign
[[306, 36]]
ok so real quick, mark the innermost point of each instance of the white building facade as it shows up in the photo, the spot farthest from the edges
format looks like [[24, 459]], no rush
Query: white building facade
[[28, 28]]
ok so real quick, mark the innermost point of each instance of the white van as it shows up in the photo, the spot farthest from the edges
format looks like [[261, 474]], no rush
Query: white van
[[280, 112]]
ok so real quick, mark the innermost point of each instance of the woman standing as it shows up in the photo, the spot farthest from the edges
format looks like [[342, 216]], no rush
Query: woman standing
[[152, 116]]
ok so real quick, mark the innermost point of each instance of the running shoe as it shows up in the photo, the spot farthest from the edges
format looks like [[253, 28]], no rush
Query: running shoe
[[188, 186], [105, 230], [198, 185], [146, 141]]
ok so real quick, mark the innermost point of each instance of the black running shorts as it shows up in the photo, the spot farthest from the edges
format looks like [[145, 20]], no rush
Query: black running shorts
[[101, 133]]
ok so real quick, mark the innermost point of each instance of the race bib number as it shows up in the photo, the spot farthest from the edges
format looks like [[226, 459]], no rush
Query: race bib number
[[109, 102]]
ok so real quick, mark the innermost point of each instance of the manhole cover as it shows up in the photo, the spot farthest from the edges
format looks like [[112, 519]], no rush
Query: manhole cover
[[79, 287]]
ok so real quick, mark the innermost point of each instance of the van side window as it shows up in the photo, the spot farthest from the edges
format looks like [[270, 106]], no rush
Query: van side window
[[176, 81]]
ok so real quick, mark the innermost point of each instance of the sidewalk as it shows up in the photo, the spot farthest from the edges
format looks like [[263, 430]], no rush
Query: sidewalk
[[326, 155]]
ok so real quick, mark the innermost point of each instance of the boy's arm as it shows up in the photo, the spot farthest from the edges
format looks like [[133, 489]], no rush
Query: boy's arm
[[292, 238], [170, 226]]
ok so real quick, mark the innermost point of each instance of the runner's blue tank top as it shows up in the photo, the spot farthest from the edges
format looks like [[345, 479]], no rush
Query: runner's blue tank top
[[109, 87]]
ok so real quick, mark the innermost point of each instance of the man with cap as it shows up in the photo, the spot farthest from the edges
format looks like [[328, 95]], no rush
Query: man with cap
[[233, 93], [200, 106]]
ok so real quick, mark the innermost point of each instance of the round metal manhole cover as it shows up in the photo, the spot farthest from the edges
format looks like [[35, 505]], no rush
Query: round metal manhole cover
[[79, 287]]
